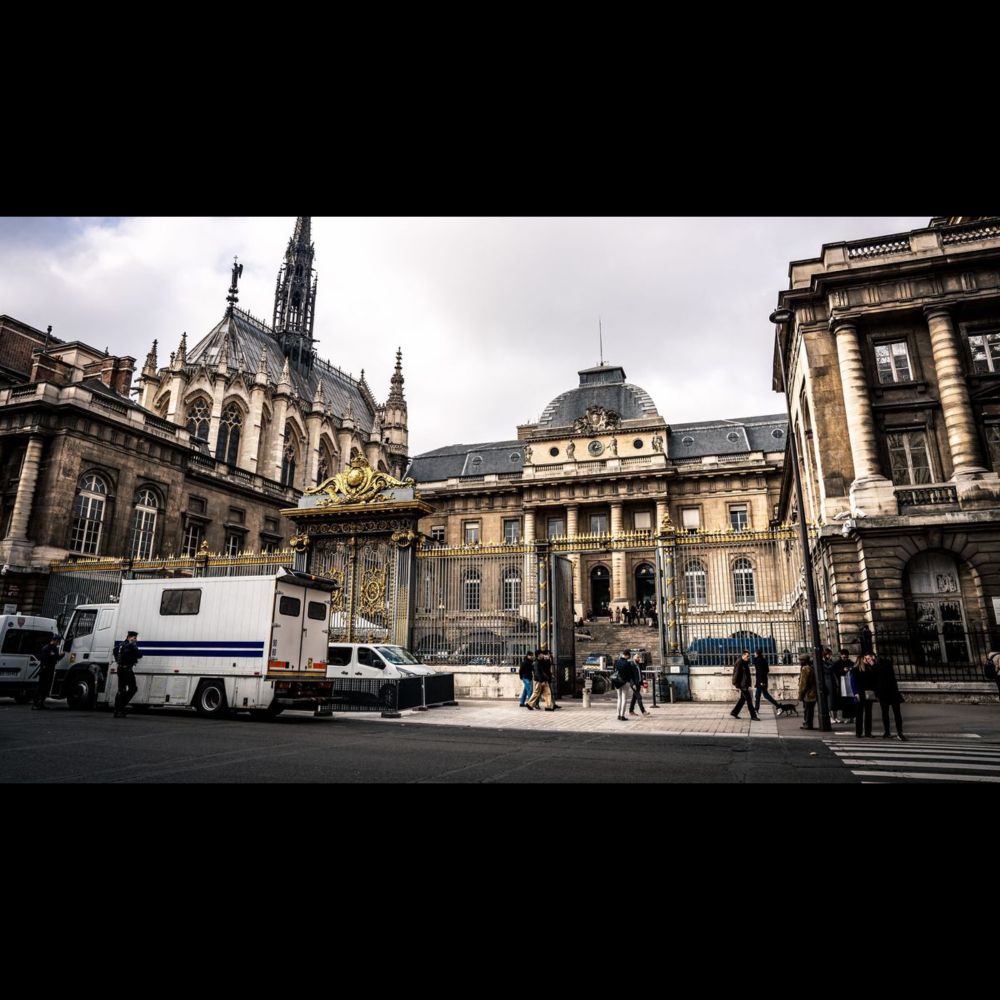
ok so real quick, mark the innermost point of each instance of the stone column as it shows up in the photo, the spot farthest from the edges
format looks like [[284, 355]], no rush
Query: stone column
[[572, 529], [26, 489], [871, 492], [619, 585], [278, 414], [250, 445], [529, 527], [959, 422], [218, 395]]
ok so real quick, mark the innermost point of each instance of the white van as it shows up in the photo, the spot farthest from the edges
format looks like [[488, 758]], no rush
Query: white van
[[373, 660], [23, 637]]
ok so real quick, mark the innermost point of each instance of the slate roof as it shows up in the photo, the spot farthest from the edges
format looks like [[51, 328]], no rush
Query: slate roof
[[726, 437], [249, 336], [456, 460], [603, 386]]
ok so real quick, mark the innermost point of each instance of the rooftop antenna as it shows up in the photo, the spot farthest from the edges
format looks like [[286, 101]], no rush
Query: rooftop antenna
[[600, 334]]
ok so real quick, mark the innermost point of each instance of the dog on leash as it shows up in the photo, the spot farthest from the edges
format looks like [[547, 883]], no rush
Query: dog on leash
[[788, 708]]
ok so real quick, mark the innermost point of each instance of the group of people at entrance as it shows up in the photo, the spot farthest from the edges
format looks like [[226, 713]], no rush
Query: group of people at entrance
[[851, 689]]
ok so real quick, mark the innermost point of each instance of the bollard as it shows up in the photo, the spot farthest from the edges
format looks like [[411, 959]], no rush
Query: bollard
[[586, 698]]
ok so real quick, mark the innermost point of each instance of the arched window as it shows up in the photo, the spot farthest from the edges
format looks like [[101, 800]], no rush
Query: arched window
[[228, 447], [197, 422], [511, 588], [288, 457], [696, 582], [471, 590], [88, 515], [743, 582], [147, 506]]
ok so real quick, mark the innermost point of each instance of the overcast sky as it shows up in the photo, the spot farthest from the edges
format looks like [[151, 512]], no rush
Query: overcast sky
[[495, 315]]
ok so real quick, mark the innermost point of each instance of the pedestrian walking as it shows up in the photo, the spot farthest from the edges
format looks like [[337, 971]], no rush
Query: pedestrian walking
[[862, 678], [542, 676], [831, 685], [526, 679], [742, 680], [807, 691], [128, 657], [991, 669], [47, 658], [621, 680], [761, 669], [845, 701], [637, 685], [888, 694]]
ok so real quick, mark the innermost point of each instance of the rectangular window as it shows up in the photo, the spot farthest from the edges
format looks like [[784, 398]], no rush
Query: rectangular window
[[598, 524], [470, 532], [180, 602], [437, 532], [511, 589], [234, 543], [739, 517], [985, 352], [909, 458], [194, 535], [642, 520], [291, 607], [143, 533], [271, 525], [268, 544], [993, 443], [82, 624], [893, 362], [237, 516], [24, 641], [316, 611], [556, 527], [690, 518], [196, 505], [88, 514], [512, 530], [340, 656]]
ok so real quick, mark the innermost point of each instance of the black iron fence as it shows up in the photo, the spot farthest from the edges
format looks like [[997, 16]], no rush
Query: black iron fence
[[922, 653], [361, 694]]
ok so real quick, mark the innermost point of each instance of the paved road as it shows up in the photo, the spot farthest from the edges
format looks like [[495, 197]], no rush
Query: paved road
[[64, 746]]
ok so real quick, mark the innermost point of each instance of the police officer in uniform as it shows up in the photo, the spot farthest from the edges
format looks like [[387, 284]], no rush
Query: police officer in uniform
[[128, 657], [48, 658]]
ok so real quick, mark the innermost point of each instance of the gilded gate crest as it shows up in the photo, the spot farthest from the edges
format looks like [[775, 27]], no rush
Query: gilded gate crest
[[359, 484]]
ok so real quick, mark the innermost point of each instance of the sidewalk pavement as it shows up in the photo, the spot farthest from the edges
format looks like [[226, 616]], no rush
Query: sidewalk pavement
[[702, 719]]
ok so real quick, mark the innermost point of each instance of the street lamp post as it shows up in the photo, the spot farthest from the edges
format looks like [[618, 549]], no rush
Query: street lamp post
[[783, 317]]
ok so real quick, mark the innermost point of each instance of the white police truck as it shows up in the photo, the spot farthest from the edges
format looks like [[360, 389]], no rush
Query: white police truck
[[21, 640], [217, 644]]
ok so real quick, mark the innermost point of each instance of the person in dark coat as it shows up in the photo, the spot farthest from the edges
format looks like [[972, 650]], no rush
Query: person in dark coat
[[807, 691], [525, 673], [846, 703], [831, 685], [128, 657], [542, 676], [637, 685], [862, 678], [47, 658], [760, 670], [620, 681], [888, 694], [742, 680]]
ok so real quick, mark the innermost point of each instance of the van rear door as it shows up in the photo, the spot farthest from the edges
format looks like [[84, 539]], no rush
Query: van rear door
[[298, 630]]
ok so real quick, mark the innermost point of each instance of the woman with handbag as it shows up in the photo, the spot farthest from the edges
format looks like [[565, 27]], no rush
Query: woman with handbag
[[862, 678], [637, 685], [620, 682]]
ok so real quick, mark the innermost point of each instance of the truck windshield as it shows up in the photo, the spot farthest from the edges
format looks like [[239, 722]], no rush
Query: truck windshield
[[396, 654]]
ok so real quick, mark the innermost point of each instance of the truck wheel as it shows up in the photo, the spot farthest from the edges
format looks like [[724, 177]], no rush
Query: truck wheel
[[80, 691], [266, 714], [210, 701], [387, 696]]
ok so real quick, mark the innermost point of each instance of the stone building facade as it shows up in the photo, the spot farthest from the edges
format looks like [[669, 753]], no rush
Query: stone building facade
[[897, 339], [222, 438], [603, 466]]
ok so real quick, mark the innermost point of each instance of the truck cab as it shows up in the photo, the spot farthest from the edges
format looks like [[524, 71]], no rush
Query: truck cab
[[21, 640], [82, 673]]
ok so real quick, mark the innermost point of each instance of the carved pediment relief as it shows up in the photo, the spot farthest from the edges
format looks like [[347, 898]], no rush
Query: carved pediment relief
[[597, 419]]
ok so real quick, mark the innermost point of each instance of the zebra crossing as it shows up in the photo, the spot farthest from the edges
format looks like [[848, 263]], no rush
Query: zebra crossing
[[879, 761]]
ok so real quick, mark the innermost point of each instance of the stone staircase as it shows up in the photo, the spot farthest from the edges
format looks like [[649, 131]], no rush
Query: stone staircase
[[612, 639]]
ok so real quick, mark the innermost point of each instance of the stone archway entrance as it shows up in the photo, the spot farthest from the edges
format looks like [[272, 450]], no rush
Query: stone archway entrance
[[600, 591], [645, 583]]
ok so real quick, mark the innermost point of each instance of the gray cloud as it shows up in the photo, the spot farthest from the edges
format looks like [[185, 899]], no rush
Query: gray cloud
[[495, 316]]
